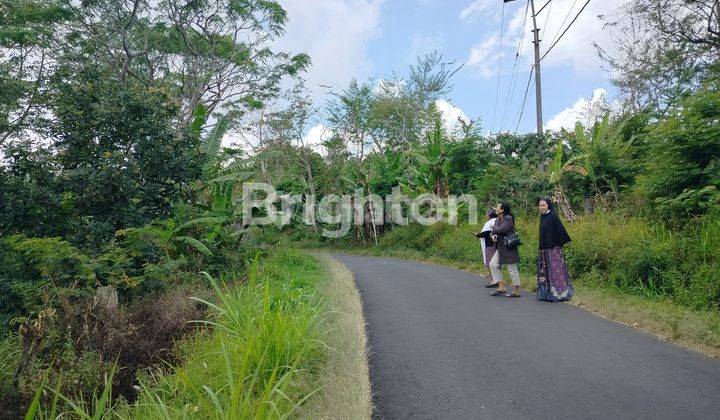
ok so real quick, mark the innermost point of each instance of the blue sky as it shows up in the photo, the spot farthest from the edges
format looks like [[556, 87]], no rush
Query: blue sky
[[374, 38]]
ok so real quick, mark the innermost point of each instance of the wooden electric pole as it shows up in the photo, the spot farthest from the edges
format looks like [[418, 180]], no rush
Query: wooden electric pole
[[538, 84]]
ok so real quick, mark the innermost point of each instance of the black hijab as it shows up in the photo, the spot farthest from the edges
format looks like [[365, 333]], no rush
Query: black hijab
[[552, 231]]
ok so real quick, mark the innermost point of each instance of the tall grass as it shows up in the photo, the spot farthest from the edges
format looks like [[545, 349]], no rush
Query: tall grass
[[256, 361]]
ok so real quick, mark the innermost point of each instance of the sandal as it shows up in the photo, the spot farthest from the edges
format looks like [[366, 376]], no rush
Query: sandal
[[498, 293], [492, 285], [513, 295]]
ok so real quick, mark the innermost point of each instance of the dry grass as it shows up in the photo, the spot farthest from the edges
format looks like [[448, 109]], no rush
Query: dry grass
[[344, 375], [693, 329]]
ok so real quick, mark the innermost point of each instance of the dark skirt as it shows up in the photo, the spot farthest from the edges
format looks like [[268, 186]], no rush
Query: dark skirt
[[553, 279]]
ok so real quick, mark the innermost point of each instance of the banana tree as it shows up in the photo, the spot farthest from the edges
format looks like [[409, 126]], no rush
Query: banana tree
[[168, 235], [432, 171], [557, 171], [219, 185], [210, 144]]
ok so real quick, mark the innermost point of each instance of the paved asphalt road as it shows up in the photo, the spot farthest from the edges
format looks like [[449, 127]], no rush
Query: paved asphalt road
[[441, 347]]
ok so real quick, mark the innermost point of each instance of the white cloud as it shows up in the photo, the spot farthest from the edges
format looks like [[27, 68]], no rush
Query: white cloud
[[335, 34], [484, 56], [585, 111], [316, 136], [450, 115], [576, 46], [478, 7]]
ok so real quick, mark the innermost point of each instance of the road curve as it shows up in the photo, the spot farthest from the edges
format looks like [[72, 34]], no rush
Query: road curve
[[441, 347]]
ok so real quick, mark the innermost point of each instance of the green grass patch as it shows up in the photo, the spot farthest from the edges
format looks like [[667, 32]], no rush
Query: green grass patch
[[259, 358]]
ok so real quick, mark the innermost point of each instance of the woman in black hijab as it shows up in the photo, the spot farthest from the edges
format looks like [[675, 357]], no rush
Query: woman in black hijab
[[553, 279]]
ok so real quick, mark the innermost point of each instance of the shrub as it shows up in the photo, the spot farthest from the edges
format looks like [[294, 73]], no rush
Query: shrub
[[401, 236], [35, 272], [459, 244], [265, 337], [429, 236], [11, 403], [682, 171], [77, 347]]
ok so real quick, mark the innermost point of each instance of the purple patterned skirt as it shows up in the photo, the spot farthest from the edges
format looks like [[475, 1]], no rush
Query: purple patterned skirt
[[553, 279], [489, 252]]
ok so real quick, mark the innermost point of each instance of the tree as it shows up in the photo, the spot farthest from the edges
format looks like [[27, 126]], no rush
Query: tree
[[120, 159], [431, 172], [682, 172], [214, 53], [27, 30], [605, 155], [350, 115], [663, 50], [31, 197], [404, 108], [128, 101], [467, 158]]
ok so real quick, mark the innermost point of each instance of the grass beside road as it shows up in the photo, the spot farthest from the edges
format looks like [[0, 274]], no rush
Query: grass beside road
[[696, 330], [286, 341], [344, 376]]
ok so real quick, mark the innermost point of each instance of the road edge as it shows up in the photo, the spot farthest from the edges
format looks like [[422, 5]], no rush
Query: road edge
[[664, 321], [345, 374]]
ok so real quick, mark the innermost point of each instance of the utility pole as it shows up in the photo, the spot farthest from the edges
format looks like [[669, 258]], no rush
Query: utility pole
[[538, 85]]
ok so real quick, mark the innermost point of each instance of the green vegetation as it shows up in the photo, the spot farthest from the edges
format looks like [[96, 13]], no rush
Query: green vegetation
[[636, 181], [631, 255], [116, 193], [261, 358]]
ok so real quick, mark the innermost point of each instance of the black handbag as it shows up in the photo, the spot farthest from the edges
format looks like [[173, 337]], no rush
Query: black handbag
[[513, 241]]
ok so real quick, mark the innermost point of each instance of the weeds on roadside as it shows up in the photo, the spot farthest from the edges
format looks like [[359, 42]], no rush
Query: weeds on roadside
[[257, 362]]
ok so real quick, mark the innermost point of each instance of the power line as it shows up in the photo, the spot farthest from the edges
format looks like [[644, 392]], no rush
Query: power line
[[541, 9], [513, 81], [547, 17], [564, 20], [522, 109], [565, 31], [497, 87], [527, 89]]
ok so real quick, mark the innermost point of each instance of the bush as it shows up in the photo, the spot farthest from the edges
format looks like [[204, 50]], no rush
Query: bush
[[682, 171], [11, 403], [66, 337], [255, 361], [76, 348], [460, 244], [401, 236], [36, 272]]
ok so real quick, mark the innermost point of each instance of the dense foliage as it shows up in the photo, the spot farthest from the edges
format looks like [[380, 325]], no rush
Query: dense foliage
[[114, 185], [112, 199]]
